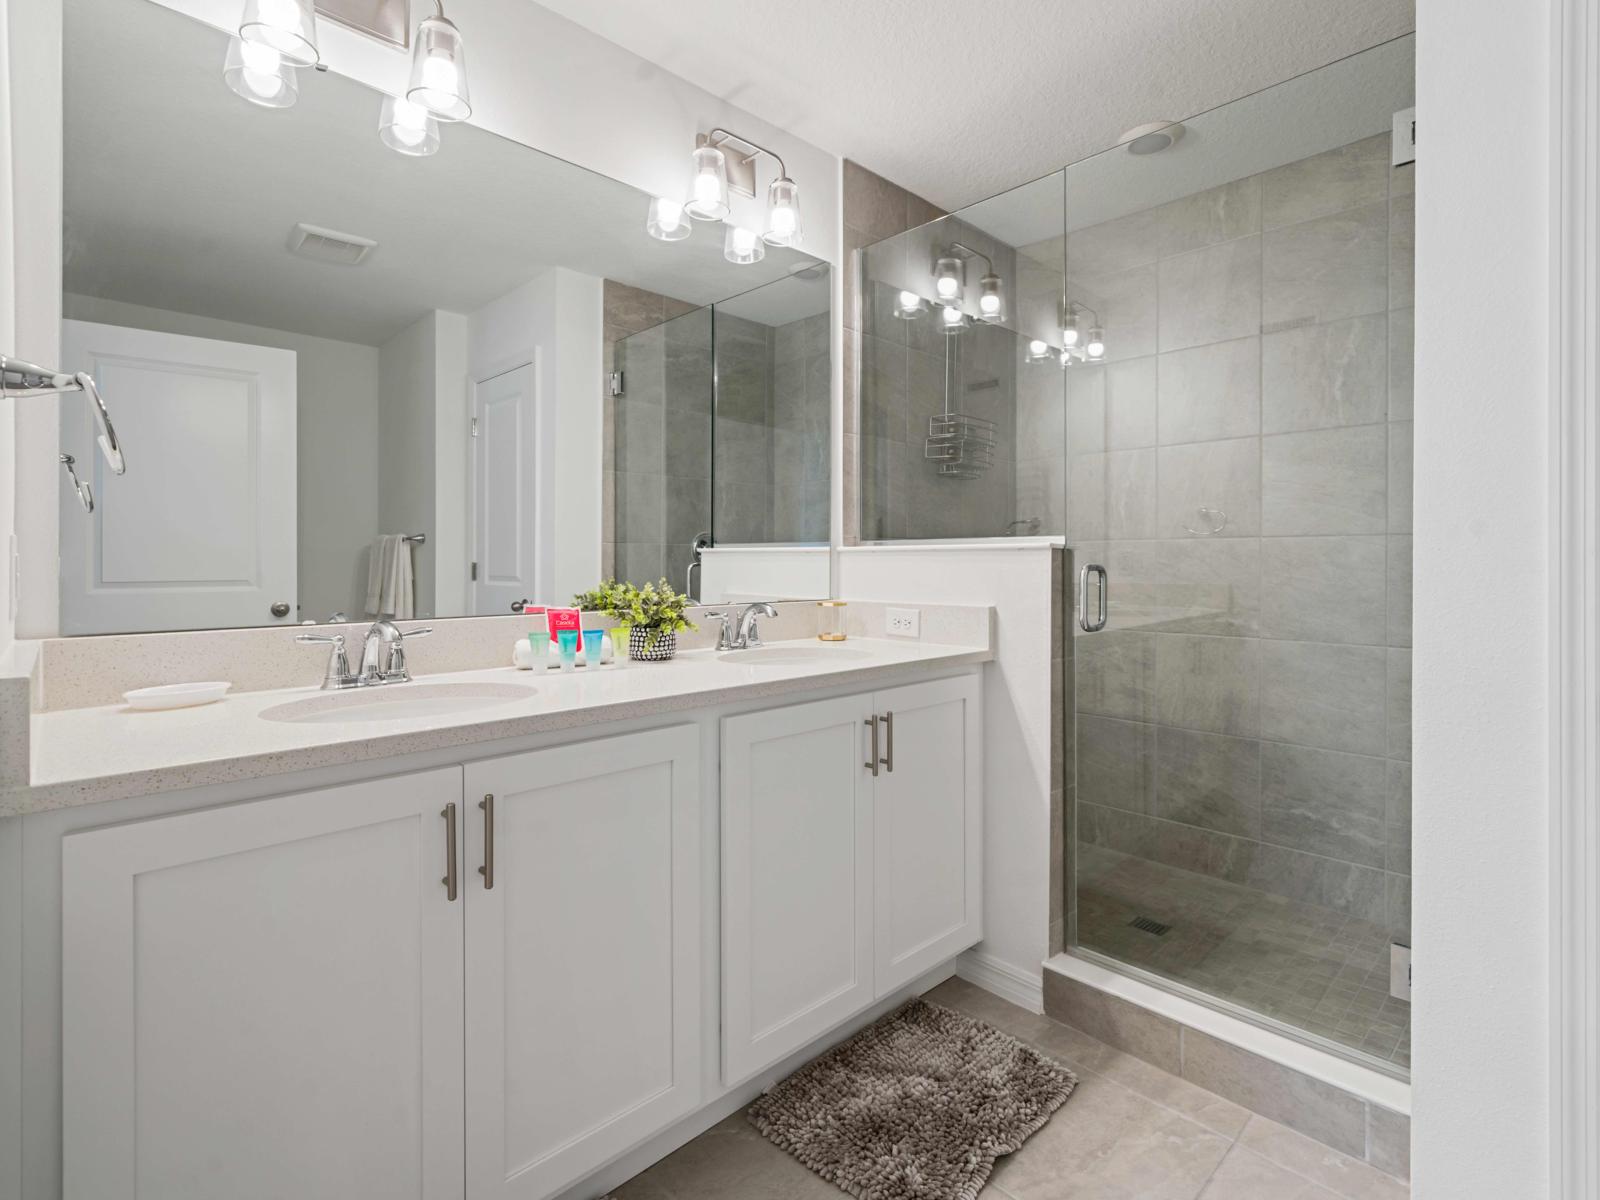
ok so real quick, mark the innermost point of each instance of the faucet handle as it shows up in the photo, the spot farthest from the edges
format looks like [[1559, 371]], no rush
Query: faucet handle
[[338, 672], [419, 631]]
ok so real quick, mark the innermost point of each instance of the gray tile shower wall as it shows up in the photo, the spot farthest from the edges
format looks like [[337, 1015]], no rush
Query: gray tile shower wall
[[1242, 467]]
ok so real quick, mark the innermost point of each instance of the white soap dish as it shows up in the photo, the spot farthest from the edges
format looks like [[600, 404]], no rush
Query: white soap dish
[[176, 695]]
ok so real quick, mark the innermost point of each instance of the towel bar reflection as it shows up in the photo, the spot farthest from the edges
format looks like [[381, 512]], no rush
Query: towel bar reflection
[[24, 380], [416, 539]]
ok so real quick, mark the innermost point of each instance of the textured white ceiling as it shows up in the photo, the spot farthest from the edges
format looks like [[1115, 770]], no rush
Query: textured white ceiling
[[960, 99]]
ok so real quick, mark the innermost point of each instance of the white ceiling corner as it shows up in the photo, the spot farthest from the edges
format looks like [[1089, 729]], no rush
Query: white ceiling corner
[[959, 100]]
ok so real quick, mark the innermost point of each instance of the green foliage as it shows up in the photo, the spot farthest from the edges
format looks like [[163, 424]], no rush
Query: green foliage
[[655, 607]]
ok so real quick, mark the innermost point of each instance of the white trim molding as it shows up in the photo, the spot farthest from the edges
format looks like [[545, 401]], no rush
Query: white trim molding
[[1002, 979], [1574, 668]]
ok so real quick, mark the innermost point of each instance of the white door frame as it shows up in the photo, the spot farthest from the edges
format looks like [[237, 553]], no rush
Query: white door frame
[[1575, 593], [544, 500]]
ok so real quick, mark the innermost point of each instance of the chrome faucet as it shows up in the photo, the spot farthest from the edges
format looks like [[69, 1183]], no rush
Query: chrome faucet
[[741, 634], [383, 656]]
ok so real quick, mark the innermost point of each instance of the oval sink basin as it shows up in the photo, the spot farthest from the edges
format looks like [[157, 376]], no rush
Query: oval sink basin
[[397, 702], [790, 656]]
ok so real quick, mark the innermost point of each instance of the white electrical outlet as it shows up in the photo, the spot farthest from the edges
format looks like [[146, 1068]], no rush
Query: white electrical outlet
[[903, 622]]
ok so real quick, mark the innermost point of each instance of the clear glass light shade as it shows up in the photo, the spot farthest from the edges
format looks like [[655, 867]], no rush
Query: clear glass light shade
[[952, 319], [260, 74], [439, 71], [407, 128], [991, 299], [1069, 332], [742, 246], [908, 306], [708, 190], [667, 221], [1096, 346], [783, 214], [949, 276], [1038, 352], [287, 26]]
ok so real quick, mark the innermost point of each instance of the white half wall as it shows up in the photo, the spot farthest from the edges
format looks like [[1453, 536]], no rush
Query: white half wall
[[1482, 729], [763, 573], [1014, 578]]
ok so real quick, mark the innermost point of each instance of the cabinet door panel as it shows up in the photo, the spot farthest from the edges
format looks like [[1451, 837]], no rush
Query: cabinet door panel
[[264, 1000], [928, 816], [796, 878], [583, 959]]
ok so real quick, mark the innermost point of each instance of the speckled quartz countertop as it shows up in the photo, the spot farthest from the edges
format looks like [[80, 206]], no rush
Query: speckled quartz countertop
[[89, 755]]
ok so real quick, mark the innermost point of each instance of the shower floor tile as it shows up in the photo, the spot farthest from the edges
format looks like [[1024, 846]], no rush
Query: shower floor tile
[[1307, 966]]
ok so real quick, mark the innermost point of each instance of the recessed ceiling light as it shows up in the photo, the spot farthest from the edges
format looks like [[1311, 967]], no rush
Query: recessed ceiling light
[[1152, 138]]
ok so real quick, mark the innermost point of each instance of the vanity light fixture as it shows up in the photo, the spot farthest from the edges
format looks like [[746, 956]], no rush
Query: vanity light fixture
[[952, 319], [783, 211], [908, 306], [287, 26], [260, 74], [407, 128], [439, 69], [742, 247], [950, 278], [667, 221], [1076, 344], [1096, 347], [991, 299]]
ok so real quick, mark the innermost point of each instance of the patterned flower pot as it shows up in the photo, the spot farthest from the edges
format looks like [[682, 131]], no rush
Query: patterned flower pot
[[640, 650]]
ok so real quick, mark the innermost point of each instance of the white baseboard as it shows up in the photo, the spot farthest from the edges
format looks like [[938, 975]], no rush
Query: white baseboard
[[1024, 988]]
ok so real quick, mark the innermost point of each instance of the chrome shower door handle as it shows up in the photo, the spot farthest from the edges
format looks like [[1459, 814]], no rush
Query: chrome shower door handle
[[1099, 621]]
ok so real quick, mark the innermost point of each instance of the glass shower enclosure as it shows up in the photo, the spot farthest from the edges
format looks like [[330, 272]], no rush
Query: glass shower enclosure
[[1213, 404]]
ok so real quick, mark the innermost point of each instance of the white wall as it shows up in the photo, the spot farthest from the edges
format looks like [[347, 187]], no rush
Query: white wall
[[449, 540], [556, 317], [1014, 578], [336, 414], [8, 334], [1481, 1040], [407, 408]]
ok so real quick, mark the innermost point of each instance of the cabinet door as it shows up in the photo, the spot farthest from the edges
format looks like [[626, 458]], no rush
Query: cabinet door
[[264, 1000], [928, 818], [583, 958], [796, 878]]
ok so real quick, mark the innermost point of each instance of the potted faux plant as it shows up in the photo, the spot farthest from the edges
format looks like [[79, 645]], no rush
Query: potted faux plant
[[655, 613]]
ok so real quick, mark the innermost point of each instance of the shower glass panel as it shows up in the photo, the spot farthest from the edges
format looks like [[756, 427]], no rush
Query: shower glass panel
[[958, 428], [1240, 464], [662, 479]]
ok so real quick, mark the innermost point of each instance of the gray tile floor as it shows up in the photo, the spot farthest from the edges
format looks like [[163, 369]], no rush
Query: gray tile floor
[[1307, 966], [1129, 1132]]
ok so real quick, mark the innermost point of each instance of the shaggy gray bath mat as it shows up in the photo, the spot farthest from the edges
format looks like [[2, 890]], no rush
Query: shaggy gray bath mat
[[915, 1107]]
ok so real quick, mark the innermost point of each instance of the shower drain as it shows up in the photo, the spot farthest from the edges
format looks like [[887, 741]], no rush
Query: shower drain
[[1149, 925]]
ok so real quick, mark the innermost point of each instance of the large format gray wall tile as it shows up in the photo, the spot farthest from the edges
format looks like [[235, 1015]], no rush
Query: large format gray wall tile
[[1325, 802], [1222, 477], [1190, 585], [1321, 695], [1130, 400], [1348, 177], [1116, 674], [1326, 269], [1218, 214], [1116, 763], [1211, 392], [1210, 780], [1126, 302], [1399, 623], [1322, 376], [1208, 683], [1328, 589], [1401, 335], [1211, 295], [1328, 481], [1400, 459]]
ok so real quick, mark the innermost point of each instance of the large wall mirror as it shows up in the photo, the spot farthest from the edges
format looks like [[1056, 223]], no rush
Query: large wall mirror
[[353, 382]]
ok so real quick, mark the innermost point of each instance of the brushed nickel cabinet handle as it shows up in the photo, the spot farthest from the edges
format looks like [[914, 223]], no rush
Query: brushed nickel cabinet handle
[[449, 815], [888, 730], [487, 870], [872, 759]]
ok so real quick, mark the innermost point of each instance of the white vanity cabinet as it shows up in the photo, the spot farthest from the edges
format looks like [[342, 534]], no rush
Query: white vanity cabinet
[[264, 1000], [851, 858], [583, 957]]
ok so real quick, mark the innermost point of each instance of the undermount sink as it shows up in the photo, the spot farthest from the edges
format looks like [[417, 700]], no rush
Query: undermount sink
[[397, 702], [789, 656]]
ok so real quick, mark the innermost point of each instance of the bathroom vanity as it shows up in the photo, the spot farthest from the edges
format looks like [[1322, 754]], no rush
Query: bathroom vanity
[[481, 952]]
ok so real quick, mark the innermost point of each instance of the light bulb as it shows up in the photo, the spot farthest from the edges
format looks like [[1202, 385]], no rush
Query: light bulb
[[259, 74], [1069, 332], [438, 71], [1097, 343], [989, 303], [666, 221], [948, 287], [709, 191], [907, 306], [783, 213], [953, 319], [742, 246], [1038, 351], [286, 26]]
